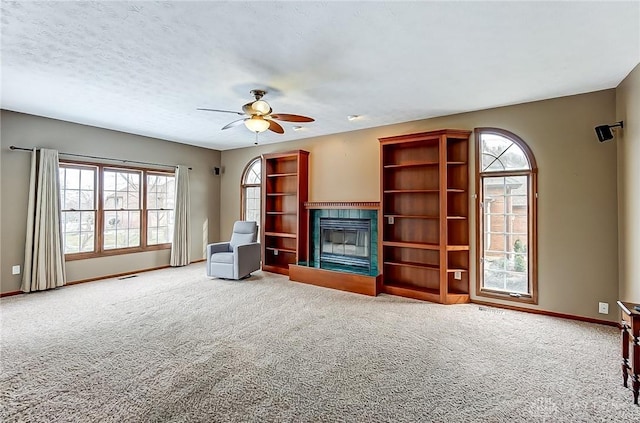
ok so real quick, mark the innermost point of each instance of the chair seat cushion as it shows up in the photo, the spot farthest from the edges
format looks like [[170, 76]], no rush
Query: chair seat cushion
[[226, 258]]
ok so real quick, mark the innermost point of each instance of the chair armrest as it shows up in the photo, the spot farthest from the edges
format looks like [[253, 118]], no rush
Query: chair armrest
[[218, 247], [250, 248], [247, 258]]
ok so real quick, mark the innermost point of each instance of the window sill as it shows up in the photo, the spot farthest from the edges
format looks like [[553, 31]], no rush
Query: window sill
[[505, 296], [115, 252]]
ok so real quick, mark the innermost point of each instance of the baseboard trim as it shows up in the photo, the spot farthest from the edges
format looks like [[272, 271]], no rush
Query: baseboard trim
[[98, 278], [547, 313], [116, 275]]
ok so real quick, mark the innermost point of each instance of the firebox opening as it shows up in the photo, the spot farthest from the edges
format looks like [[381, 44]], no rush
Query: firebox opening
[[346, 242]]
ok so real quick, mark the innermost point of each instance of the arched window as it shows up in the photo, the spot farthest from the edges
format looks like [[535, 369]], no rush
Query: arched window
[[250, 191], [506, 216]]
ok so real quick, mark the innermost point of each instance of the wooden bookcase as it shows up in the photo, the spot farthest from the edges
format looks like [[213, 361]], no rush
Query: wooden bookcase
[[424, 223], [284, 217]]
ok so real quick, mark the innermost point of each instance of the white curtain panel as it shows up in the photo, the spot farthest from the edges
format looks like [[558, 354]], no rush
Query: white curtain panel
[[181, 245], [43, 255]]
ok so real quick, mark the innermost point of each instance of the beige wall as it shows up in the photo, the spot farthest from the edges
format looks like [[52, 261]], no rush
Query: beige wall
[[628, 143], [578, 262], [28, 131]]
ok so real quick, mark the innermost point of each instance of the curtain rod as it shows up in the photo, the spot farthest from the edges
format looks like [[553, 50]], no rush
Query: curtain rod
[[13, 147]]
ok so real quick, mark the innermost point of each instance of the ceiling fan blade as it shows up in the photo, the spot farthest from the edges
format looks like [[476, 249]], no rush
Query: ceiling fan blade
[[247, 109], [222, 111], [275, 127], [291, 118], [234, 123]]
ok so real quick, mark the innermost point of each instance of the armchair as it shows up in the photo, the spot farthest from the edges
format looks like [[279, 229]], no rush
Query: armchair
[[237, 258]]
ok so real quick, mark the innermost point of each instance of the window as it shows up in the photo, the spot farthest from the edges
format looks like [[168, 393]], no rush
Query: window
[[121, 208], [506, 230], [114, 210], [250, 187], [78, 204], [160, 199]]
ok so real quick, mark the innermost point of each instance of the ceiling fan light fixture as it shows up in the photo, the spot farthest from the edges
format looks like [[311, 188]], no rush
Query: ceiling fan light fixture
[[261, 106], [256, 124]]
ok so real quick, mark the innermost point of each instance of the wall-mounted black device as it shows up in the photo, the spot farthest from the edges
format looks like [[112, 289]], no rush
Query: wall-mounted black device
[[604, 132]]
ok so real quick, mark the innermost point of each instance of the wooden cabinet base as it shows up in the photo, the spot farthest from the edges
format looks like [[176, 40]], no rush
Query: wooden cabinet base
[[351, 282], [275, 269], [424, 294]]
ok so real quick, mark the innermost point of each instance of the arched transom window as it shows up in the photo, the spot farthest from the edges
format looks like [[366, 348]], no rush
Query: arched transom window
[[506, 230], [250, 187]]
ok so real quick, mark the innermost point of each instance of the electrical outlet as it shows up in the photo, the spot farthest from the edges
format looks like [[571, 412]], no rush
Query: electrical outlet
[[15, 270], [275, 252], [391, 220], [603, 308], [457, 275]]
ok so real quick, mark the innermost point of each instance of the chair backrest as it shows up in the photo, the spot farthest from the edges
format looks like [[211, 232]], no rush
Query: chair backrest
[[244, 232]]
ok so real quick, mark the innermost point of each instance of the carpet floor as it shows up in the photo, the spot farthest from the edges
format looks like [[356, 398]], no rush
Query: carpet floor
[[175, 346]]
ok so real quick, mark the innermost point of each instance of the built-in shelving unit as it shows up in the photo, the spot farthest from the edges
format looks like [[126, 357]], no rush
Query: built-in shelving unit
[[284, 238], [424, 223]]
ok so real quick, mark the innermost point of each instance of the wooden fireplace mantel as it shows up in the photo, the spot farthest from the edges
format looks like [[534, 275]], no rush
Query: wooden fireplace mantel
[[370, 205]]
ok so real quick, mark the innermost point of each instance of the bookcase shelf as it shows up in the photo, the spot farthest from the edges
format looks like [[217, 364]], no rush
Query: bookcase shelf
[[411, 216], [410, 264], [411, 164], [281, 175], [401, 191], [284, 238], [280, 234], [424, 223], [418, 245]]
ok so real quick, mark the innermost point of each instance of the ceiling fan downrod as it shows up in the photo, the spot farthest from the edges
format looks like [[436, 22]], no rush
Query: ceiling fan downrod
[[258, 94]]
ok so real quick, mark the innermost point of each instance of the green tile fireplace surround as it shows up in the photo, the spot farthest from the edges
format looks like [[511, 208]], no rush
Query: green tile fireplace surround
[[357, 272], [315, 217]]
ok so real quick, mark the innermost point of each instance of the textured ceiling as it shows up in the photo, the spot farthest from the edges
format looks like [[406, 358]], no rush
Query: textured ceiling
[[144, 67]]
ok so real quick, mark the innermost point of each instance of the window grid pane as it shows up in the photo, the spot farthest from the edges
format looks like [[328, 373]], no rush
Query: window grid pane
[[121, 190], [159, 227], [253, 175], [252, 204], [501, 154], [122, 229], [160, 192]]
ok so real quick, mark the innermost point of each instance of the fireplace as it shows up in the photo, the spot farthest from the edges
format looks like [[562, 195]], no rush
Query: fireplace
[[345, 242], [343, 247], [344, 237]]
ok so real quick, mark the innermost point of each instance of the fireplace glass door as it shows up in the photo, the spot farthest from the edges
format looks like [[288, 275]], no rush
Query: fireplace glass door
[[345, 242]]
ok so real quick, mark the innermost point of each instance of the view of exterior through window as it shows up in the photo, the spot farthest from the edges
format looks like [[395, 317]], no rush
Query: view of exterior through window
[[78, 203], [506, 216], [160, 205], [250, 186], [104, 209], [121, 194]]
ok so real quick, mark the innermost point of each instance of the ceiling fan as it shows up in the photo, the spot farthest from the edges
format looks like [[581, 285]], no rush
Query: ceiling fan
[[259, 117]]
